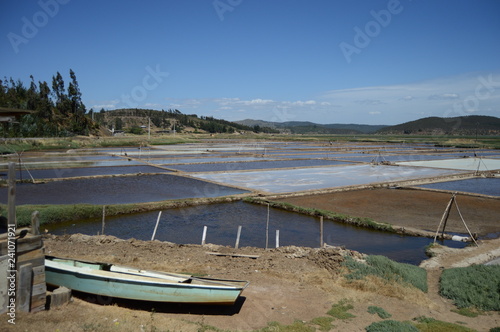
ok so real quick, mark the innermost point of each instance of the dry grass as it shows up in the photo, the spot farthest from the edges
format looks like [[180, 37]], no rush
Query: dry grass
[[383, 287]]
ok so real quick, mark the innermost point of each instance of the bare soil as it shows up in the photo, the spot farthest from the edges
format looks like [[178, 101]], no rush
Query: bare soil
[[286, 284]]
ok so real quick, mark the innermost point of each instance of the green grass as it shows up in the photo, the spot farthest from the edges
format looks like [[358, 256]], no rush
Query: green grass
[[468, 312], [324, 323], [476, 286], [297, 326], [379, 311], [391, 326], [387, 269], [80, 212], [340, 310], [425, 324]]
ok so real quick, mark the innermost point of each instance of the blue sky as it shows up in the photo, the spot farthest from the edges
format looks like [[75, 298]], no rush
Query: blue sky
[[326, 61]]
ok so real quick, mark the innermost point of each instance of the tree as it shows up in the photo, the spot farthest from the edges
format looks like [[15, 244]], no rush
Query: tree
[[61, 99], [75, 96]]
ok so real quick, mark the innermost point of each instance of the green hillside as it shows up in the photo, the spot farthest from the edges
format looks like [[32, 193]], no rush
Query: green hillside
[[462, 125]]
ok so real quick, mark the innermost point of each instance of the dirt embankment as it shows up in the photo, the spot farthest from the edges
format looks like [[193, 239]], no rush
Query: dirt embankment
[[286, 284]]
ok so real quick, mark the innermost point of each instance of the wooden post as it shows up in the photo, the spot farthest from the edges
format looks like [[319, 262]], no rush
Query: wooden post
[[204, 236], [238, 238], [103, 218], [321, 243], [35, 223], [277, 238], [156, 227], [11, 200], [444, 218], [267, 227]]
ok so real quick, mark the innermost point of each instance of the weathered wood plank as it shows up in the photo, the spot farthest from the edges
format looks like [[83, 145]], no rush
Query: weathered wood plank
[[232, 255], [24, 288], [38, 289], [23, 245], [38, 275], [37, 261], [4, 284]]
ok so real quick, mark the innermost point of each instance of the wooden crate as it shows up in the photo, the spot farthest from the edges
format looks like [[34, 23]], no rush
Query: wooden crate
[[30, 282]]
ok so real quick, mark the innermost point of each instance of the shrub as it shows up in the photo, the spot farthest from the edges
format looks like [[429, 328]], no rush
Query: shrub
[[426, 324], [387, 269], [476, 286], [340, 309], [379, 311]]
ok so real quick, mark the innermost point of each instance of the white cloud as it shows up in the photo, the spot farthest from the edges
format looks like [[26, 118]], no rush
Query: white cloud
[[444, 96], [477, 93]]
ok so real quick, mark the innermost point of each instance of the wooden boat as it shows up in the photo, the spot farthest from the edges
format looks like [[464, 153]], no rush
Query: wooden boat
[[131, 283]]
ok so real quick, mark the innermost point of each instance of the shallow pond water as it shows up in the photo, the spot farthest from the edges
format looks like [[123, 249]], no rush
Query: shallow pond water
[[56, 173], [185, 226], [116, 190], [484, 186]]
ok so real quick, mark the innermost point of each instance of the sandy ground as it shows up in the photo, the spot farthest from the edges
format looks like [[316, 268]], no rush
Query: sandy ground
[[286, 284]]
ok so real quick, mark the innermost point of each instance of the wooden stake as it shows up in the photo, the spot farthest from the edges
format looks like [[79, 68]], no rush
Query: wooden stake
[[156, 226], [466, 227], [11, 199], [321, 243], [35, 223], [103, 218], [204, 236], [267, 227], [444, 218], [238, 238]]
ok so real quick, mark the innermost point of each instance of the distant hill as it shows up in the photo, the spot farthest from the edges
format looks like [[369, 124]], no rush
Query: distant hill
[[462, 125], [306, 127], [138, 121]]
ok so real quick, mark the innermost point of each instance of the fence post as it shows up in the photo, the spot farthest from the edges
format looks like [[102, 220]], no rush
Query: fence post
[[277, 238], [103, 218], [204, 236], [238, 238], [11, 198], [35, 223], [321, 243], [267, 227], [156, 226]]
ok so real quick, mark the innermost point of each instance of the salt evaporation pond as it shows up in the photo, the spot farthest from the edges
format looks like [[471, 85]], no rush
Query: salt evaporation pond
[[484, 186], [469, 164], [185, 226], [57, 173], [116, 190], [218, 167], [291, 180]]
